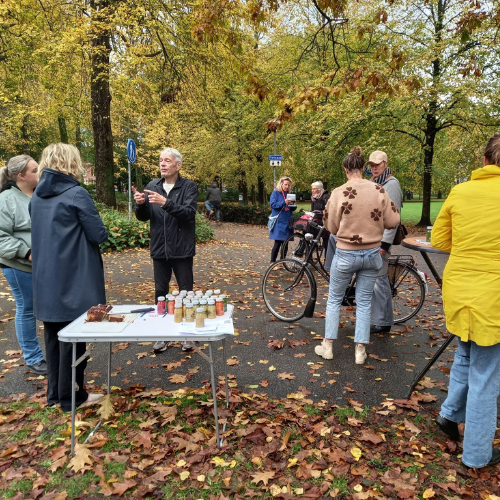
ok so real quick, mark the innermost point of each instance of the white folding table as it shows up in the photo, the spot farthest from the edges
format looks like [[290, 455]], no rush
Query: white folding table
[[144, 328]]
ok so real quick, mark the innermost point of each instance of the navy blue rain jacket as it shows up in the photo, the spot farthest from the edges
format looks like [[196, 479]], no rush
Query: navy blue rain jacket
[[66, 230]]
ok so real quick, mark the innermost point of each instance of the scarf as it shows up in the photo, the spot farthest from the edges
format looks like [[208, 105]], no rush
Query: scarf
[[318, 196], [382, 178]]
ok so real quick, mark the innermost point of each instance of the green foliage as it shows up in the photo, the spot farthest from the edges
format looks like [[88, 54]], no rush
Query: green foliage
[[245, 214], [124, 233], [203, 230]]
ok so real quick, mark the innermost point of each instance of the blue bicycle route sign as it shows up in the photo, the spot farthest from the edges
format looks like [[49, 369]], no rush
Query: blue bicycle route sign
[[275, 157], [131, 151]]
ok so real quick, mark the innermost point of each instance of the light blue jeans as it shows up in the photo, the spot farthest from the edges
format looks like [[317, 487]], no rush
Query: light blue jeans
[[209, 207], [472, 398], [21, 284], [366, 264]]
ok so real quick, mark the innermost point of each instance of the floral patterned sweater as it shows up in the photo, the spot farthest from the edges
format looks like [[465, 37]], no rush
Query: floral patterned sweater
[[358, 212]]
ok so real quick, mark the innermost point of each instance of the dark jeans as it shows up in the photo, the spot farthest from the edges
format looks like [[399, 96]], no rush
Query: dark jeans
[[276, 249], [183, 270], [59, 358]]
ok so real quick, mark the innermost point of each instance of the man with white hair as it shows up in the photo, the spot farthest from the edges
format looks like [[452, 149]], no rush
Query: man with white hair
[[170, 203], [382, 317]]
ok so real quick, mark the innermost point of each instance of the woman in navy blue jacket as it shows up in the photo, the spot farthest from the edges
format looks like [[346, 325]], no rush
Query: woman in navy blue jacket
[[280, 205], [68, 273]]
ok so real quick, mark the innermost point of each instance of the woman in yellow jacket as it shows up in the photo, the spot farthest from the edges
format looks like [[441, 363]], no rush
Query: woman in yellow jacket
[[468, 227]]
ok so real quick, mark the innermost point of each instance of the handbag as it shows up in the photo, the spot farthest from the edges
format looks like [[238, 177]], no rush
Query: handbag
[[272, 220], [401, 234]]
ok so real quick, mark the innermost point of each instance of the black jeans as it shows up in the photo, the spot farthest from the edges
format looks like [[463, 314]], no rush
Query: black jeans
[[275, 250], [183, 270], [59, 358]]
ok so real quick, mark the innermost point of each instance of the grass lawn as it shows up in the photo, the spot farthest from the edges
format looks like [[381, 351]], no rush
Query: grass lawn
[[411, 212]]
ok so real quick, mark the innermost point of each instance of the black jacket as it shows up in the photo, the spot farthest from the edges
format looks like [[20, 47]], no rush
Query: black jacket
[[66, 230], [173, 225], [319, 206]]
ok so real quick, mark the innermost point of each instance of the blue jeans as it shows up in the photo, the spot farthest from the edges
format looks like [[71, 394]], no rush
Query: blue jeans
[[366, 264], [209, 207], [21, 284], [472, 398]]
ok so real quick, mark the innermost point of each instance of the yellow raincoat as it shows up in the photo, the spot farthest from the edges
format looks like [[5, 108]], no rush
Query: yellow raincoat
[[468, 227]]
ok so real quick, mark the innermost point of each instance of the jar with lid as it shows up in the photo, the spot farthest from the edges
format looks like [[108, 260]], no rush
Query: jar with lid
[[209, 292], [185, 302], [178, 313], [224, 298], [200, 317], [204, 304], [219, 307], [196, 304], [211, 309], [175, 293], [189, 313], [160, 307], [190, 293], [217, 292], [199, 293], [171, 305]]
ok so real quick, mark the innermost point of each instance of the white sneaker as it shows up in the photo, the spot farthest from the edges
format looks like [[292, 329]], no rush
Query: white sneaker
[[160, 346], [92, 399], [325, 350], [360, 354]]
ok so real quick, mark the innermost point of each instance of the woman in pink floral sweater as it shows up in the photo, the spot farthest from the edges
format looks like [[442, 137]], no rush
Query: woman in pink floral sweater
[[357, 213]]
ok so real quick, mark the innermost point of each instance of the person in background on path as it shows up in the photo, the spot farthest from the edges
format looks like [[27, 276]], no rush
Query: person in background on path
[[468, 227], [319, 199], [68, 272], [18, 180], [357, 213], [213, 200], [382, 313], [280, 206], [170, 204]]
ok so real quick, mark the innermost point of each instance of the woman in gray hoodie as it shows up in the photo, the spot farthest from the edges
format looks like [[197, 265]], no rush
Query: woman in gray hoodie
[[18, 179]]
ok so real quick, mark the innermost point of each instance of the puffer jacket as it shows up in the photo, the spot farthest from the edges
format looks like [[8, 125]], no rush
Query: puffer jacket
[[15, 229], [173, 226], [468, 227]]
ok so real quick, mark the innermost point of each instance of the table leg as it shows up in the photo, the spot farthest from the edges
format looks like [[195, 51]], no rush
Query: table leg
[[73, 397], [225, 371], [432, 269], [434, 358], [109, 368], [214, 394]]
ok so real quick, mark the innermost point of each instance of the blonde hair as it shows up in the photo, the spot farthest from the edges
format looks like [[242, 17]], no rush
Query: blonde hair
[[15, 166], [279, 184], [64, 158]]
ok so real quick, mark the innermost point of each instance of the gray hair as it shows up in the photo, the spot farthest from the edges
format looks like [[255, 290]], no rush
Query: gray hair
[[172, 152], [15, 166], [317, 184]]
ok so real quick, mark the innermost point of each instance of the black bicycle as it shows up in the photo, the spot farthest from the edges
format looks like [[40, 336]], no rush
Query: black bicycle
[[290, 290]]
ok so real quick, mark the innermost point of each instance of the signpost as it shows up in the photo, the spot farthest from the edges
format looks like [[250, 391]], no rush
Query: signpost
[[275, 161], [132, 156]]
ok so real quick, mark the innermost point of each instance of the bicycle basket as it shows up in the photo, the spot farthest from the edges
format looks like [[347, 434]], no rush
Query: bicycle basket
[[299, 223], [397, 265]]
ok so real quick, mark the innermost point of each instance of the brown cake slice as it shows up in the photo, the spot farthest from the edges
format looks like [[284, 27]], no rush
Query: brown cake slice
[[116, 318], [97, 313]]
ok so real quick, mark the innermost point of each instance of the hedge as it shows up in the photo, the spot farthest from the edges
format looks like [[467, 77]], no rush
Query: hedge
[[243, 214], [133, 233]]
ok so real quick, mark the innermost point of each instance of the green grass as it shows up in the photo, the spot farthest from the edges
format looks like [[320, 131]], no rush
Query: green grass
[[410, 214]]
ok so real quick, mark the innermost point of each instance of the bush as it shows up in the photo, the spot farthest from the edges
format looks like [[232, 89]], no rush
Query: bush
[[243, 214], [133, 233]]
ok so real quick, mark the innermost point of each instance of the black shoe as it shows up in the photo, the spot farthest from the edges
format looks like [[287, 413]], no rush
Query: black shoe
[[379, 329], [494, 460], [449, 427], [40, 368]]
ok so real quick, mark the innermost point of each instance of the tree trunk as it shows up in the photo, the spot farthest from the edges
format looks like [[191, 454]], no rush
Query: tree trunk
[[63, 131], [253, 195], [25, 136], [101, 104], [78, 137], [242, 186], [428, 147], [261, 190]]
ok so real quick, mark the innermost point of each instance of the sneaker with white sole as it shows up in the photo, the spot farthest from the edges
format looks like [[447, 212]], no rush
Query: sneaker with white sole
[[187, 347], [160, 346], [360, 354], [325, 350]]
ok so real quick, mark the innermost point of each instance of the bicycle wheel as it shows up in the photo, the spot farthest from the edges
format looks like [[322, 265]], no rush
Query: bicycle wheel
[[408, 291], [287, 288]]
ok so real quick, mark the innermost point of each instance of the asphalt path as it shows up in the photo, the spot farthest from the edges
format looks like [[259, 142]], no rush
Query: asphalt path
[[235, 263]]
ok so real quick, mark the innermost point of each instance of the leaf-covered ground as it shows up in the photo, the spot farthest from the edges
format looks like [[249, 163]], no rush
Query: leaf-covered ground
[[157, 444]]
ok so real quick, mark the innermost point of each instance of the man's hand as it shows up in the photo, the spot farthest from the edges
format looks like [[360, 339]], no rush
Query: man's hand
[[139, 198], [383, 252], [155, 198]]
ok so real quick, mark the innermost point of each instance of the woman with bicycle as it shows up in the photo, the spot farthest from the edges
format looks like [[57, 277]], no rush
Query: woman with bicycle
[[468, 227], [357, 213], [283, 208]]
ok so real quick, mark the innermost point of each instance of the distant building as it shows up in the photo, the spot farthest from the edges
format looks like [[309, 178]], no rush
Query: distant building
[[89, 175]]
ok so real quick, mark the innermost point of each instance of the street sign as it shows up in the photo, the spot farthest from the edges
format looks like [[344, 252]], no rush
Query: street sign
[[275, 157], [275, 163], [131, 151]]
